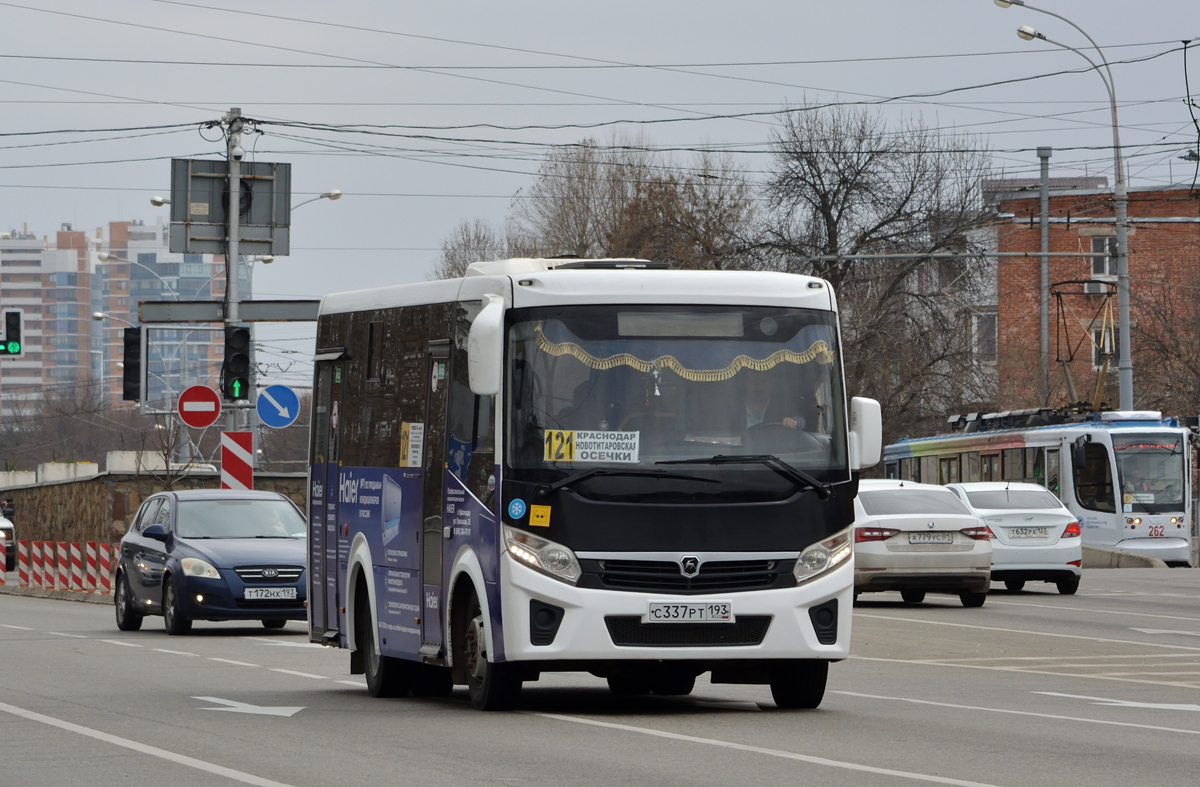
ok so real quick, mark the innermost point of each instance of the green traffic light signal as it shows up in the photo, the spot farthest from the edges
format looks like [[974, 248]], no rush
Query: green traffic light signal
[[13, 348]]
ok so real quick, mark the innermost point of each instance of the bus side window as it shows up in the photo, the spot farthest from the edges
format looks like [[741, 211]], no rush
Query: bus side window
[[1093, 480], [989, 467], [1052, 471]]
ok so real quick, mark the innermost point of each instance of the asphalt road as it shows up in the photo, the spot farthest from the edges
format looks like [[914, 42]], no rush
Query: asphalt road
[[1101, 688]]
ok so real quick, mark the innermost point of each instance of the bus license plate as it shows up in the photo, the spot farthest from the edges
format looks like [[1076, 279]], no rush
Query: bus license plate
[[267, 594], [931, 538], [1027, 532], [691, 612]]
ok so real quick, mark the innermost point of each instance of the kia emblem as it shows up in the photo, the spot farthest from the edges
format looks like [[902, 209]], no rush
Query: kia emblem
[[269, 573], [689, 566]]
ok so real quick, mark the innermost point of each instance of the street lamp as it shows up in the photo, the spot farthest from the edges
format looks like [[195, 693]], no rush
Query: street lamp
[[335, 194], [104, 256], [158, 201], [1120, 197]]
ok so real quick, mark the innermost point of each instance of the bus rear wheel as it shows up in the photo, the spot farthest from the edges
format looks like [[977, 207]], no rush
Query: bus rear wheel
[[799, 684], [492, 686], [386, 676]]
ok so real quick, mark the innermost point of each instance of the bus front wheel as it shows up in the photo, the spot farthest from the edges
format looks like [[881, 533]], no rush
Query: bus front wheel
[[799, 684], [386, 676], [492, 686]]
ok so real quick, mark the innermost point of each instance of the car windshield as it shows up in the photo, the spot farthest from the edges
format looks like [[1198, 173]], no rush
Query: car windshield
[[239, 519], [888, 502], [1013, 498], [625, 387], [1150, 469]]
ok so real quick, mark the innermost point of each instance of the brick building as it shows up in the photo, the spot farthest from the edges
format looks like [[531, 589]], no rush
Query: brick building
[[1164, 275]]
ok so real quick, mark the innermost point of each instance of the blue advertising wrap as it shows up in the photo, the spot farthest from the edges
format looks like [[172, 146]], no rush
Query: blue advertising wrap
[[473, 525], [384, 504]]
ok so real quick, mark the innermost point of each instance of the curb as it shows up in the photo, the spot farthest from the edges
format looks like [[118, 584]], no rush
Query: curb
[[1104, 557], [61, 595]]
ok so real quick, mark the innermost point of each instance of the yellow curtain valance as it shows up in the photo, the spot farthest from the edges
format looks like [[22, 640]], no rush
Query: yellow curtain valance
[[819, 351]]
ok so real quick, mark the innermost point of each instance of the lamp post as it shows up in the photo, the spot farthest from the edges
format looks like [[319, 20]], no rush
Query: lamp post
[[1120, 197]]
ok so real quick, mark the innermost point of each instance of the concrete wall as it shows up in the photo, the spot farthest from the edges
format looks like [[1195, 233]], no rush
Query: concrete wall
[[100, 508]]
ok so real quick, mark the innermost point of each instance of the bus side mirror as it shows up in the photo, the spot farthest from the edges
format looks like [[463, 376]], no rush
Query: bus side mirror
[[485, 348], [866, 433]]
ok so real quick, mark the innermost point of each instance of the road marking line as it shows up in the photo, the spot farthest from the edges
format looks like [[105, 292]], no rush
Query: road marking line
[[1143, 672], [231, 661], [63, 634], [280, 642], [153, 751], [1124, 703], [119, 642], [18, 628], [787, 755], [1023, 631], [175, 652], [301, 674], [1084, 609], [1064, 658], [1022, 712], [356, 683], [1023, 671]]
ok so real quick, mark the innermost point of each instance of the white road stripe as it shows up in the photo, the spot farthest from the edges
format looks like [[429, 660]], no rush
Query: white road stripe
[[356, 683], [18, 628], [1025, 671], [1021, 712], [119, 642], [301, 674], [787, 755], [1023, 631], [1139, 614], [153, 751], [175, 652], [62, 634], [231, 661]]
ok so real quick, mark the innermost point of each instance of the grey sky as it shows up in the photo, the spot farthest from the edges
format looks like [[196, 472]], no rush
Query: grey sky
[[402, 201]]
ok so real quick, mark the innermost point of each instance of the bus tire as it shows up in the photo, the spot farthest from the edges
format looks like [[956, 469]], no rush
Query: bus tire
[[971, 598], [386, 676], [1067, 587], [630, 685], [674, 684], [492, 686], [799, 684], [912, 595]]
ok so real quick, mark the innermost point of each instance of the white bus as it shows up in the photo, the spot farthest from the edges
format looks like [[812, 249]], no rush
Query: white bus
[[1125, 475], [586, 465]]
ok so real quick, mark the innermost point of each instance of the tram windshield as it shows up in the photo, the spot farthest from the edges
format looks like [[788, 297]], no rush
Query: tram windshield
[[1150, 469], [626, 387]]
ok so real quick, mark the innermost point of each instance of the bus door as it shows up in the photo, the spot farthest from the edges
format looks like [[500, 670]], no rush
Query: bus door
[[434, 463], [324, 597]]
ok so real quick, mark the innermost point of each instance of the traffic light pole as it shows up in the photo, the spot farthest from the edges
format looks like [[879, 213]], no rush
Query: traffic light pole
[[233, 219]]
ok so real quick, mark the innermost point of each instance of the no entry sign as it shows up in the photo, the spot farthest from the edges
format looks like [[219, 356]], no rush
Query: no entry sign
[[199, 406]]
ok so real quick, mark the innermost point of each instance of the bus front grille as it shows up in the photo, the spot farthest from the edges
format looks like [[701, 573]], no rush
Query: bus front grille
[[718, 576], [630, 631]]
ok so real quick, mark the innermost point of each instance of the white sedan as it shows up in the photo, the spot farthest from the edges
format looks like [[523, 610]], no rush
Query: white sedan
[[1034, 536], [919, 538]]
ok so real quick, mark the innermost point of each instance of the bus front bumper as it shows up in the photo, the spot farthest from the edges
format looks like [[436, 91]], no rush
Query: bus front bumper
[[1171, 550], [593, 621]]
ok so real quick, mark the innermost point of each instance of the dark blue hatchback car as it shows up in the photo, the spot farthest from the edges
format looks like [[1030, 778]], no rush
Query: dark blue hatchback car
[[212, 555]]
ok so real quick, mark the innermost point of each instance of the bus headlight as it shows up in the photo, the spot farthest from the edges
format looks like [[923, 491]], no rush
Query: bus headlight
[[822, 556], [542, 554]]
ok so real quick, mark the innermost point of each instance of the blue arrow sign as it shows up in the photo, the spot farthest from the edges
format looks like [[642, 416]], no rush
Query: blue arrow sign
[[278, 406]]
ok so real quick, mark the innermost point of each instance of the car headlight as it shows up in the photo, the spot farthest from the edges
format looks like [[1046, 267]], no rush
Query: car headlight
[[194, 567], [822, 556], [542, 554]]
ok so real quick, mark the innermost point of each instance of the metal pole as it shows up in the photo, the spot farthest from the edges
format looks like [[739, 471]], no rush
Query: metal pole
[[232, 220], [1044, 155]]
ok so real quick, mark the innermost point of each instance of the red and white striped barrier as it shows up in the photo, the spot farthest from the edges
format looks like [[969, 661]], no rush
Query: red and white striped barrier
[[23, 563], [64, 567], [78, 567], [35, 556]]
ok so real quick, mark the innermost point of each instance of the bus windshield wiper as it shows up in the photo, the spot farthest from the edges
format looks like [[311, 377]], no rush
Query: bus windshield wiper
[[793, 474], [545, 490]]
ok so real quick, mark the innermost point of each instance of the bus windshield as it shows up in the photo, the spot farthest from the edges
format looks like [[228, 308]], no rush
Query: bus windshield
[[625, 387], [1150, 469]]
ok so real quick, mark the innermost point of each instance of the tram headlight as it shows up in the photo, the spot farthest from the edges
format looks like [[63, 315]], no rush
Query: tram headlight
[[543, 554], [823, 556]]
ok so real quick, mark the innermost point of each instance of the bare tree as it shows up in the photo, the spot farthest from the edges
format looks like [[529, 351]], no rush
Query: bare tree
[[843, 185], [471, 241]]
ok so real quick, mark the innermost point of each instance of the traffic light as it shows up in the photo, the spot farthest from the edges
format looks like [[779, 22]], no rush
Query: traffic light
[[11, 346], [131, 378], [235, 371]]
